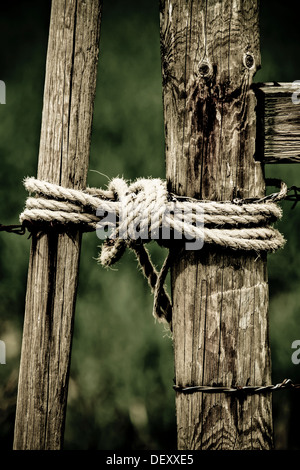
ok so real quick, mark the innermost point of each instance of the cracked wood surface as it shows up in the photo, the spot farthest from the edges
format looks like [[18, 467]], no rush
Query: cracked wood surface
[[210, 52], [70, 84]]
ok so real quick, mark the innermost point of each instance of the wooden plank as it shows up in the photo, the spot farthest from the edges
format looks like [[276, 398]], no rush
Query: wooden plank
[[278, 139], [210, 52], [70, 83]]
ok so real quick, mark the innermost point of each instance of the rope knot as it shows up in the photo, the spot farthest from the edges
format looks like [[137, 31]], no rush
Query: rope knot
[[141, 210], [144, 211], [142, 206]]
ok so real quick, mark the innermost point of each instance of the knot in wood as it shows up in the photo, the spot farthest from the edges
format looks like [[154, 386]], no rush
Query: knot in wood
[[205, 69], [249, 60]]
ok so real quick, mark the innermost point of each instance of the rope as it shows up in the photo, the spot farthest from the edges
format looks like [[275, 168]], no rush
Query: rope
[[146, 204], [144, 210]]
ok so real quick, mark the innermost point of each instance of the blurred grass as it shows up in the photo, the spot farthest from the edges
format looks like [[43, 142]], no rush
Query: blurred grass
[[120, 394]]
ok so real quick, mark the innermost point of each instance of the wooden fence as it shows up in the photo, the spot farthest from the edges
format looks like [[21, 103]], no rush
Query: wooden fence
[[220, 130]]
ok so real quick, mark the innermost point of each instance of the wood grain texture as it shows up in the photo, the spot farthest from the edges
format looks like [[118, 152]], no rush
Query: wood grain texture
[[210, 52], [70, 83], [278, 139]]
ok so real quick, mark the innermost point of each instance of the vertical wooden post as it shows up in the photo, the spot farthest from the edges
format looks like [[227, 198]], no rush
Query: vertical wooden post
[[210, 52], [70, 83]]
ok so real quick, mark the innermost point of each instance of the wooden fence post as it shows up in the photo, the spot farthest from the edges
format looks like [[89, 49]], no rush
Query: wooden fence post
[[210, 52], [70, 83]]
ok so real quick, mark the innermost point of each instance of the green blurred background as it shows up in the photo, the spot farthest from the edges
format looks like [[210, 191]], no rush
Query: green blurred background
[[120, 393]]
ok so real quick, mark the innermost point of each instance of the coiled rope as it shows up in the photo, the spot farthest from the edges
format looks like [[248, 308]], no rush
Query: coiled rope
[[144, 210]]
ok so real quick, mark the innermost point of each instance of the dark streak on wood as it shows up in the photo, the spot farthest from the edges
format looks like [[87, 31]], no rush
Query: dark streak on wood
[[220, 299]]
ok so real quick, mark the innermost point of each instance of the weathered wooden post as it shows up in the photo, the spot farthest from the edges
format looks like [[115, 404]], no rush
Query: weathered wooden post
[[53, 268], [210, 53]]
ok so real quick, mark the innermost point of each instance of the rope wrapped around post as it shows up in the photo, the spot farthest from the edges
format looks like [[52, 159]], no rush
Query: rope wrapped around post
[[137, 213]]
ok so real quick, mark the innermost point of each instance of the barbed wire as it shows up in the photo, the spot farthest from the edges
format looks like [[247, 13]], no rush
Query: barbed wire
[[284, 192], [17, 229], [295, 197], [248, 389]]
